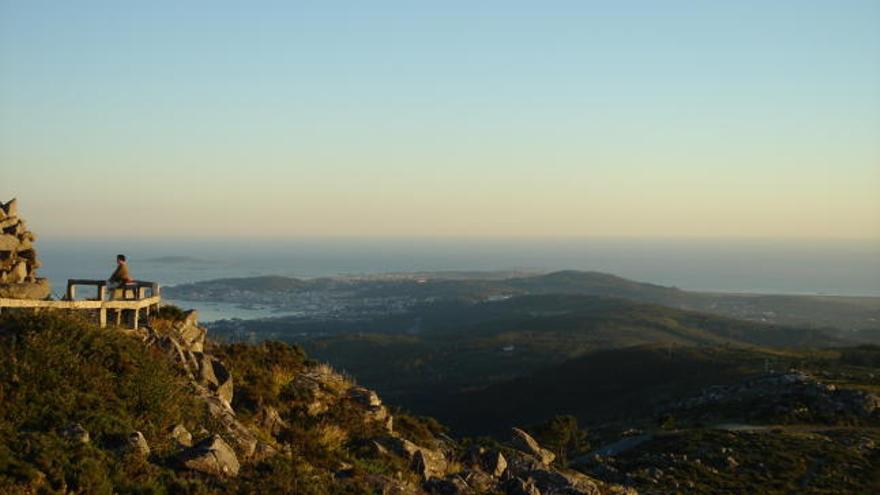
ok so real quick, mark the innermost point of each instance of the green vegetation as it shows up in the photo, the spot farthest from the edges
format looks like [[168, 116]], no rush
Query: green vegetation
[[563, 436], [703, 461], [866, 355], [466, 348], [543, 362], [856, 319], [170, 313], [622, 385], [57, 370], [263, 373]]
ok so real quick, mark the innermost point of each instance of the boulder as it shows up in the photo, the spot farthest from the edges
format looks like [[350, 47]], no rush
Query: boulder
[[518, 486], [478, 480], [213, 374], [206, 369], [191, 317], [76, 432], [553, 481], [7, 222], [211, 456], [364, 397], [524, 442], [494, 463], [621, 490], [174, 349], [244, 440], [137, 444], [453, 485], [731, 463], [182, 436], [427, 462], [11, 208], [314, 384], [387, 485], [192, 336], [343, 470], [269, 419], [24, 245], [15, 227], [18, 273], [9, 242], [377, 449], [27, 254], [225, 389], [422, 465], [38, 289]]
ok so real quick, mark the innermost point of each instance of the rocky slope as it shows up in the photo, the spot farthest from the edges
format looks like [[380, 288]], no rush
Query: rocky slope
[[234, 419], [164, 409]]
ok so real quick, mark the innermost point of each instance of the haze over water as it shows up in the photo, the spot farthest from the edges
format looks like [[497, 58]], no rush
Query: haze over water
[[768, 266]]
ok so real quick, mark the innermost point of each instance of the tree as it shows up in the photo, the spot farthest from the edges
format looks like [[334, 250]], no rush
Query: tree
[[562, 435]]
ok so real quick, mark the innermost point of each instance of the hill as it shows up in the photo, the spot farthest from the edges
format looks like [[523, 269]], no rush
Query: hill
[[164, 410], [266, 283], [346, 298], [617, 385], [460, 346], [642, 384]]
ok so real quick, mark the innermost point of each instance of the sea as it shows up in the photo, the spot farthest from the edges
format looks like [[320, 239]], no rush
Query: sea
[[771, 266]]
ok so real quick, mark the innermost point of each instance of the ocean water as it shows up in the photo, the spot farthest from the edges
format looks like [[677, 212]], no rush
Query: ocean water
[[731, 265]]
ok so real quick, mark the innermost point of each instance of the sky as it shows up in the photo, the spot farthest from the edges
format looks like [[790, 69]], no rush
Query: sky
[[455, 118]]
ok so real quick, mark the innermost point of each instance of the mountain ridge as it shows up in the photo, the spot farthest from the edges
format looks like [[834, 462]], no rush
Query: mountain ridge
[[857, 318]]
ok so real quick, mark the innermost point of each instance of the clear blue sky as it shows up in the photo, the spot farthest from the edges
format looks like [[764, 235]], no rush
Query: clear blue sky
[[474, 118]]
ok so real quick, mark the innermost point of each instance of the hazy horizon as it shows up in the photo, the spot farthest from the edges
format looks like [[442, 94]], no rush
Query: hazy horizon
[[818, 267], [279, 119]]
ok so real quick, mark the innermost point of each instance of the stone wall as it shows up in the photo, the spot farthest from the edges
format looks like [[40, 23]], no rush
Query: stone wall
[[18, 258]]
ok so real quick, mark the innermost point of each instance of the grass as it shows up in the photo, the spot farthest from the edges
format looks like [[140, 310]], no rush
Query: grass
[[771, 463], [56, 370]]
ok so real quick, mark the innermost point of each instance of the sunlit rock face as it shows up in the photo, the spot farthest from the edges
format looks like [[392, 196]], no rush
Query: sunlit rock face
[[18, 258]]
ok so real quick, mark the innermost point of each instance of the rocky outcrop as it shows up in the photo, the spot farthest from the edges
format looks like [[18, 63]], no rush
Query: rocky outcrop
[[793, 394], [270, 420], [136, 444], [374, 410], [429, 463], [523, 441], [323, 396], [214, 375], [322, 386], [211, 456], [184, 342], [494, 463], [76, 432], [522, 468], [182, 436], [190, 334], [18, 258]]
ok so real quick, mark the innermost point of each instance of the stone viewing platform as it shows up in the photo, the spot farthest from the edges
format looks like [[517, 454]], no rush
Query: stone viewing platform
[[21, 288]]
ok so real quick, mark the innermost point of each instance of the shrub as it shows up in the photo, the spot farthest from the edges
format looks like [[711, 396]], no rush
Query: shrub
[[261, 372], [562, 435], [58, 369]]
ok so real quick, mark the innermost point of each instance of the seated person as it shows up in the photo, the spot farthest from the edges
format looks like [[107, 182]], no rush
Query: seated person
[[119, 277]]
